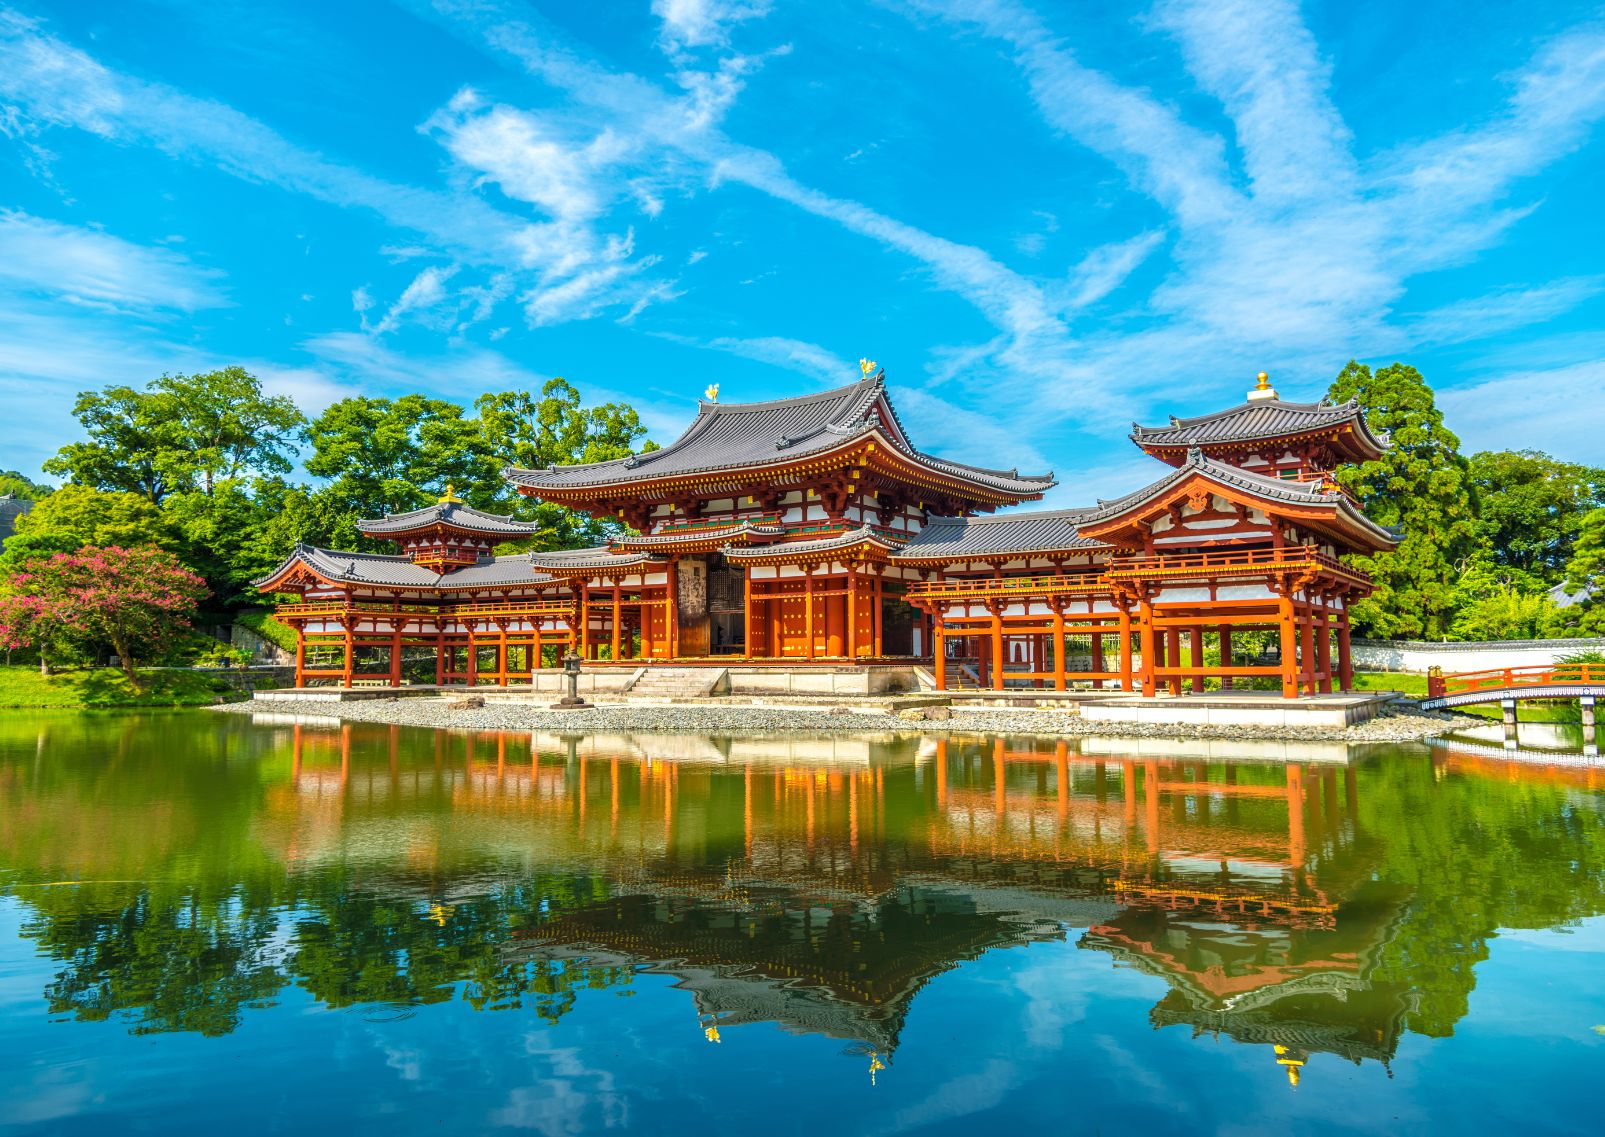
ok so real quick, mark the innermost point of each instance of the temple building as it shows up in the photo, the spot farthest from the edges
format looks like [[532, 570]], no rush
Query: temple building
[[813, 532]]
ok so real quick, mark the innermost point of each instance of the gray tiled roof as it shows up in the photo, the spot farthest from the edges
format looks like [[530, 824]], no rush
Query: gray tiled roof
[[1274, 489], [735, 436], [848, 540], [400, 572], [710, 533], [596, 557], [1253, 421], [453, 514], [957, 538]]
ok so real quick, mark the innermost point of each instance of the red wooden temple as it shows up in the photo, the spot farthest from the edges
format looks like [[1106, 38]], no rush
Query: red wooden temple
[[813, 531]]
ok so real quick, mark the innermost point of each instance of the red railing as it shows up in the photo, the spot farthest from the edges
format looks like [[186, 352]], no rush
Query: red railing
[[1559, 674], [1227, 561], [1007, 586]]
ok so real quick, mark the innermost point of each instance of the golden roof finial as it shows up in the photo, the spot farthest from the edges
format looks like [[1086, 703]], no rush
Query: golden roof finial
[[1264, 382], [867, 366], [712, 393], [450, 496]]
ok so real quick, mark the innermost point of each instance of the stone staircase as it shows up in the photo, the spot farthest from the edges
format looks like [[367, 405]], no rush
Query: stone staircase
[[671, 684]]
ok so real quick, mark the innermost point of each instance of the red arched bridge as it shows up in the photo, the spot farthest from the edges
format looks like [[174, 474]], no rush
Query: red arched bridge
[[1582, 681]]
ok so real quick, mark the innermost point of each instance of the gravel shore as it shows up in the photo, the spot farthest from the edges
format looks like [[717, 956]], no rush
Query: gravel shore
[[1393, 725]]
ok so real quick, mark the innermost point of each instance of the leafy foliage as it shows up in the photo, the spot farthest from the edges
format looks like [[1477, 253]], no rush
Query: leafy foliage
[[130, 598], [1421, 485]]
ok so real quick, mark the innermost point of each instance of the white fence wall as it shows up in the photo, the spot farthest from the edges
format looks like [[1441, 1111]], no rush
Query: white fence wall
[[1420, 655]]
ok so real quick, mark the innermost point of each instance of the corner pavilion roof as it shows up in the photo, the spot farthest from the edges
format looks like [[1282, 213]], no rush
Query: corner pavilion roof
[[1261, 420], [1270, 490], [381, 570], [960, 538], [740, 436], [449, 514]]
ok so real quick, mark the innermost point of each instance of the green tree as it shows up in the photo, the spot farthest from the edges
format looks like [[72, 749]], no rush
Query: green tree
[[391, 455], [78, 515], [518, 429], [15, 484], [1421, 487], [1529, 508], [1586, 574], [182, 433]]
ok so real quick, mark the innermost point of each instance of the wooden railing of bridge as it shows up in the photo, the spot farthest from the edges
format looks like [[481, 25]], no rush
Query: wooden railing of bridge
[[1515, 678]]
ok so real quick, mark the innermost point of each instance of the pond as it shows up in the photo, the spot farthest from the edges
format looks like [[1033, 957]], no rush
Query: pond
[[277, 926]]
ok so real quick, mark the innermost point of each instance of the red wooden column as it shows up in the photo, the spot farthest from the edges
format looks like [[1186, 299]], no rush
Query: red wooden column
[[350, 666], [395, 658], [300, 656], [1225, 634], [1323, 647], [1126, 678], [1173, 656], [1289, 642], [501, 653], [671, 610], [1345, 663], [748, 632], [1148, 645], [585, 620], [440, 655], [880, 594], [1198, 658], [1307, 650], [473, 658], [852, 610], [808, 611], [1058, 648], [939, 650], [997, 645], [617, 622]]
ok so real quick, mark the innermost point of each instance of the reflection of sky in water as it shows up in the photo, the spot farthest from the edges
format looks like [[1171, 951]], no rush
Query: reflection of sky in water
[[1019, 946]]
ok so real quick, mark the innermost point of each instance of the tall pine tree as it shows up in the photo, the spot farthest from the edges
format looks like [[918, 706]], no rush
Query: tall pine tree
[[1420, 486]]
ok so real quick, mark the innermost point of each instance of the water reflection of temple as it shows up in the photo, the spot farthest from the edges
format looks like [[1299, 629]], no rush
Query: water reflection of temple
[[820, 884]]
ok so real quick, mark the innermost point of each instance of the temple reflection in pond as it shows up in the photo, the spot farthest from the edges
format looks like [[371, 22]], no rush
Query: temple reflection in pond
[[817, 884]]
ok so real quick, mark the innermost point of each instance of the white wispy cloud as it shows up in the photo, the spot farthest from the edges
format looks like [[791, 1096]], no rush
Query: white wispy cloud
[[87, 266], [703, 23], [1549, 407], [1480, 317], [424, 295]]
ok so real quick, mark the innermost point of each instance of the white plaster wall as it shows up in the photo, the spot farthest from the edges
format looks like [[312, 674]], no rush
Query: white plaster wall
[[1418, 655]]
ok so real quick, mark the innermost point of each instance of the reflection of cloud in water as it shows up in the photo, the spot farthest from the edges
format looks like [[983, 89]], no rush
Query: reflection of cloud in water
[[963, 1096]]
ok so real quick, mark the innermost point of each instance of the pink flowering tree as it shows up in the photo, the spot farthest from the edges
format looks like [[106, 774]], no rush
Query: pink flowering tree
[[133, 599]]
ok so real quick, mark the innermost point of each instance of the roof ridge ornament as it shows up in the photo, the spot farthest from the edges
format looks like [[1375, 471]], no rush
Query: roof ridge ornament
[[450, 496], [711, 393], [1263, 391], [1195, 456], [868, 366]]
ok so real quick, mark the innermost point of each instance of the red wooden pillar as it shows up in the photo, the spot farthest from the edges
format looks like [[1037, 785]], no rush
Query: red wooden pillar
[[618, 617], [997, 648], [350, 665], [395, 658], [1126, 679], [1323, 648], [808, 611], [501, 654], [1307, 648], [671, 610], [852, 611], [939, 651], [1198, 658], [1289, 642], [1058, 649], [1225, 634], [473, 657], [300, 656], [1345, 663], [880, 595], [1149, 646], [748, 632], [1173, 656]]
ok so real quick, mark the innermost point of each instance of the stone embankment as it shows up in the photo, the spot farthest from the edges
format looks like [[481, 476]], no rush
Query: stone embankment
[[1394, 725]]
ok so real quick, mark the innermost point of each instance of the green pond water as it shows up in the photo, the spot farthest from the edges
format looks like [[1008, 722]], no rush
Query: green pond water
[[267, 926]]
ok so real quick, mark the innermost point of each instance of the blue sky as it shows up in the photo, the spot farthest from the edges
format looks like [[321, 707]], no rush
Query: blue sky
[[1044, 220]]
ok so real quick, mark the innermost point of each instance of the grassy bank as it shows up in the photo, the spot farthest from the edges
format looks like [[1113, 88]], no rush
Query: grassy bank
[[108, 687]]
